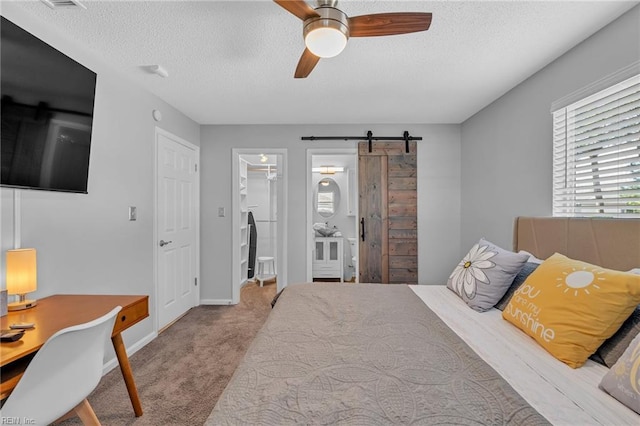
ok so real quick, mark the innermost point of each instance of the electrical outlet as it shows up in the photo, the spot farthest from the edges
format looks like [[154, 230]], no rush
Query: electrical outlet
[[220, 211], [133, 213]]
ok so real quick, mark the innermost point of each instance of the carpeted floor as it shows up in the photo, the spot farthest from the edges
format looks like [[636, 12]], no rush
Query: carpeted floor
[[181, 374]]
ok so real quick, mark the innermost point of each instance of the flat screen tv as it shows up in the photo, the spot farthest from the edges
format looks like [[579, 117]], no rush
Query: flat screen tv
[[46, 114]]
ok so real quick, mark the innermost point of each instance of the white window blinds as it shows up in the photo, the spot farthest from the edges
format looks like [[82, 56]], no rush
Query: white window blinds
[[596, 154]]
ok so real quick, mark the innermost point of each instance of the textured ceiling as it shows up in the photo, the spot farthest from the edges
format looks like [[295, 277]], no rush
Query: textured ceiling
[[232, 62]]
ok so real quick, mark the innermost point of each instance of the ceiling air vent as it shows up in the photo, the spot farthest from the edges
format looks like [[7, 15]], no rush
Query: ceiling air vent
[[59, 4]]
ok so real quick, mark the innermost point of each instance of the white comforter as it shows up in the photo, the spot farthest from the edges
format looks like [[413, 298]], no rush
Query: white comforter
[[565, 396]]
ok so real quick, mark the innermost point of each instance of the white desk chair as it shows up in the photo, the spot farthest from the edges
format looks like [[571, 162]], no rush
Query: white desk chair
[[62, 374]]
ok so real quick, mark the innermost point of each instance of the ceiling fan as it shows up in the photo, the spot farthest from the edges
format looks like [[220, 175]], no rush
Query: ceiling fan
[[326, 28]]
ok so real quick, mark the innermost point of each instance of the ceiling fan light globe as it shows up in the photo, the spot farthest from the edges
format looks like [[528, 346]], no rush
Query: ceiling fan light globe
[[326, 42]]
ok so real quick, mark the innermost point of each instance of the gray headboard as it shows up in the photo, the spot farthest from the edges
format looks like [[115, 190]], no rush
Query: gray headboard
[[610, 243]]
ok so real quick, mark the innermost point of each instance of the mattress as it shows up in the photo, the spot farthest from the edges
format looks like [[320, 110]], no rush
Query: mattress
[[371, 354], [563, 395], [380, 354]]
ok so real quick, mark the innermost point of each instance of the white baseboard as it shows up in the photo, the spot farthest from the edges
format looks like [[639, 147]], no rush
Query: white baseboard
[[113, 363], [216, 302]]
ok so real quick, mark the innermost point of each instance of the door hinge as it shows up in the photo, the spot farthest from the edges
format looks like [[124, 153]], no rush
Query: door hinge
[[195, 281], [196, 166]]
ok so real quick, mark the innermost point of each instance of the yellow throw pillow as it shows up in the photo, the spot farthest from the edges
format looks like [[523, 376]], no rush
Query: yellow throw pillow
[[570, 307]]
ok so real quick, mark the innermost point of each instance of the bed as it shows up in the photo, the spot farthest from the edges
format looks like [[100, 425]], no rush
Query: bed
[[332, 353]]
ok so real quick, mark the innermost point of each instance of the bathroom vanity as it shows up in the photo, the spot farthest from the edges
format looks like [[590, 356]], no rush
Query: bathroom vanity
[[328, 258]]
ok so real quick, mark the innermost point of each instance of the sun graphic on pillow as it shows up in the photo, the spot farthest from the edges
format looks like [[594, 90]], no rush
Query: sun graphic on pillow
[[580, 279]]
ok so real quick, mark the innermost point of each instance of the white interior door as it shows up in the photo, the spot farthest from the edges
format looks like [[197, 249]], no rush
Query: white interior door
[[176, 233]]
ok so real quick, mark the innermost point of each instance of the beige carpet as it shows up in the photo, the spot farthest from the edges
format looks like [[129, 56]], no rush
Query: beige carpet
[[181, 374]]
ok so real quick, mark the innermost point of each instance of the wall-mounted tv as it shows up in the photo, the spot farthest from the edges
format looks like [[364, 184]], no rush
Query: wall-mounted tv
[[46, 113]]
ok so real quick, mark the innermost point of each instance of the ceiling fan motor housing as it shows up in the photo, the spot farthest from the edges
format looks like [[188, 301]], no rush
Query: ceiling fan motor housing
[[330, 17]]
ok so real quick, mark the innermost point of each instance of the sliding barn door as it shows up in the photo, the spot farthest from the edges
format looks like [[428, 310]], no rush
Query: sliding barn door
[[388, 206]]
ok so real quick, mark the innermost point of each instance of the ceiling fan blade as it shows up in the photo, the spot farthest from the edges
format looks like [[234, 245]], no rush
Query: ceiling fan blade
[[299, 8], [306, 64], [383, 24]]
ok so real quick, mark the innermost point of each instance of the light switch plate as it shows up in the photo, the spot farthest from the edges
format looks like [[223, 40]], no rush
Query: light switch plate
[[221, 212], [133, 213]]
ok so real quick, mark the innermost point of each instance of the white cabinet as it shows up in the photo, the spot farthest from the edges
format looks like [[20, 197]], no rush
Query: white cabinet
[[328, 258]]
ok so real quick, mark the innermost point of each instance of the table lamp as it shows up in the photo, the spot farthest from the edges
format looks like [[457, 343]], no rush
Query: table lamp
[[22, 277]]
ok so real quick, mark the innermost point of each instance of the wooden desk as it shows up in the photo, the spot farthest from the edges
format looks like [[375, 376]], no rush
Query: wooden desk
[[54, 313]]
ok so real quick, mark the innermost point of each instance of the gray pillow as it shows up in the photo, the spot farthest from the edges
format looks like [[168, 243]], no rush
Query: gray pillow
[[526, 270], [484, 275], [622, 381], [614, 346]]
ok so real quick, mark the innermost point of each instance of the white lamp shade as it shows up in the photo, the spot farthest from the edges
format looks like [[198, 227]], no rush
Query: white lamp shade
[[22, 274], [326, 42]]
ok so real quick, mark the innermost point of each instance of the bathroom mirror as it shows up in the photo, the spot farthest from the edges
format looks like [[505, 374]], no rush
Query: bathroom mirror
[[327, 197]]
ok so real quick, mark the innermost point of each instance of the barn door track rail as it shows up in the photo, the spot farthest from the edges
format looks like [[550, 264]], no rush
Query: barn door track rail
[[370, 138]]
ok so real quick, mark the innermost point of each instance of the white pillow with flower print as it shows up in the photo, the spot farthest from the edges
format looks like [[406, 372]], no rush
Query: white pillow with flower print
[[484, 275]]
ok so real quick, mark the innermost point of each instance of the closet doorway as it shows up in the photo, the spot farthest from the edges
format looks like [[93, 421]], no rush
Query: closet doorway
[[259, 218], [332, 211]]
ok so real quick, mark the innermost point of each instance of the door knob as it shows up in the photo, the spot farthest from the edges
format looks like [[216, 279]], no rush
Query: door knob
[[164, 243]]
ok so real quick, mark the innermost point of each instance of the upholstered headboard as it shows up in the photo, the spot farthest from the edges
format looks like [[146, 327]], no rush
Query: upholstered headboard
[[610, 243]]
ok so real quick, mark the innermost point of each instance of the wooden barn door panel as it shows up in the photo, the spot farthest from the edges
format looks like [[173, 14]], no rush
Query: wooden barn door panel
[[388, 199], [373, 219]]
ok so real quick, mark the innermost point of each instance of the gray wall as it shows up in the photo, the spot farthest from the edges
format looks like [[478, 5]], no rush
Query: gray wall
[[438, 194], [507, 147], [85, 242]]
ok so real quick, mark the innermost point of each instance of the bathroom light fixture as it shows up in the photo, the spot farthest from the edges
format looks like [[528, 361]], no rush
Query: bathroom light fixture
[[327, 170], [263, 158]]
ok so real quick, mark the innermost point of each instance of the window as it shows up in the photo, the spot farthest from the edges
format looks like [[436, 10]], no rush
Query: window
[[596, 154]]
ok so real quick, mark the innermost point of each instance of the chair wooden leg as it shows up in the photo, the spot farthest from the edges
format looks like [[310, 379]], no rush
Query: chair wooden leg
[[86, 414]]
